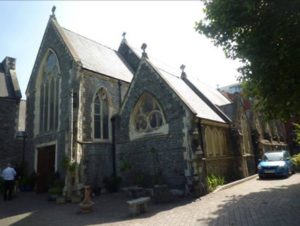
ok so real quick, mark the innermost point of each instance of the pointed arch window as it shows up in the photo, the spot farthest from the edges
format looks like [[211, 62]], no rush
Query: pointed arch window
[[49, 90], [147, 117], [101, 115]]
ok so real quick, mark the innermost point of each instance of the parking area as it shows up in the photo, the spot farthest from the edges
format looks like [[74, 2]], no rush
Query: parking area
[[253, 202]]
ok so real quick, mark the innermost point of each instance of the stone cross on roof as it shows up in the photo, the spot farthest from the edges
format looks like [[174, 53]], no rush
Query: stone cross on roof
[[183, 75], [143, 47], [53, 11]]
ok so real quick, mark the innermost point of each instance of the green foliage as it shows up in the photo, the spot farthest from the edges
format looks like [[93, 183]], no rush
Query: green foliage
[[55, 190], [214, 181], [125, 166], [296, 160], [265, 36], [297, 131], [69, 165]]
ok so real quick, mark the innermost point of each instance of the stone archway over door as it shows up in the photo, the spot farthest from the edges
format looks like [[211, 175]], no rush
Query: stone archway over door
[[45, 167]]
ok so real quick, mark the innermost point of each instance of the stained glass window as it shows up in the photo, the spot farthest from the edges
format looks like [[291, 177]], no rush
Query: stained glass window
[[49, 94], [101, 115], [147, 115]]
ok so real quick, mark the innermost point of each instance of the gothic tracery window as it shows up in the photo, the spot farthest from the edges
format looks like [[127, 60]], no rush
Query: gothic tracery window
[[49, 91], [147, 116], [101, 115]]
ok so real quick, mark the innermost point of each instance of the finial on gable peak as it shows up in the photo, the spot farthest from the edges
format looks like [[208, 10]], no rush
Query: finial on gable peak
[[143, 47], [124, 37], [53, 12], [183, 74]]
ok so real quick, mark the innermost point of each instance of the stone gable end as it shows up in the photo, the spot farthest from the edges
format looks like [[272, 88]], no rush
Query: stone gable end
[[150, 156]]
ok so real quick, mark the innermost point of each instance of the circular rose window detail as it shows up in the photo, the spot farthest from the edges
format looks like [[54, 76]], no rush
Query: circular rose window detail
[[147, 115], [141, 123]]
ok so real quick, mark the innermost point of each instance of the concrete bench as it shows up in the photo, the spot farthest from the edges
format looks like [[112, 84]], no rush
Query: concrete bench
[[138, 206]]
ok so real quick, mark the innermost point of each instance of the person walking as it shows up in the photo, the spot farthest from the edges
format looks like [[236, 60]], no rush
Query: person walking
[[8, 175]]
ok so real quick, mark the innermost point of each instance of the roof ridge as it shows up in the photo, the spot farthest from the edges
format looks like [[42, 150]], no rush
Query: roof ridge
[[170, 73], [89, 39]]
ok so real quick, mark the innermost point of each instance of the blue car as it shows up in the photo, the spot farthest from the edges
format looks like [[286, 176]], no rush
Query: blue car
[[276, 163]]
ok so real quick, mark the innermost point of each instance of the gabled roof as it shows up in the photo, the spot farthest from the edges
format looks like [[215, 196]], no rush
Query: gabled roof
[[212, 94], [97, 57], [188, 96]]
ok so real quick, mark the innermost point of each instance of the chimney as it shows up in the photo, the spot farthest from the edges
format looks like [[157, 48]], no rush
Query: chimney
[[9, 63]]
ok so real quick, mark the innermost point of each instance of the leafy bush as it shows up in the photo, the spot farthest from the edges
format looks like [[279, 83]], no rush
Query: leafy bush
[[55, 190], [214, 181], [69, 165], [125, 166], [296, 160]]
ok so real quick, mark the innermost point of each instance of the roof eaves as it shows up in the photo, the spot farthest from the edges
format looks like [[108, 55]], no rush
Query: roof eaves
[[207, 101]]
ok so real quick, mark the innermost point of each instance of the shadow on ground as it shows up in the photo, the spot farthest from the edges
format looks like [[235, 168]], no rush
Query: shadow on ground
[[272, 206], [34, 209]]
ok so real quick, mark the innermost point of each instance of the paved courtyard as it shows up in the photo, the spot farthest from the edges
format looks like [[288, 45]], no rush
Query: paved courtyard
[[254, 202]]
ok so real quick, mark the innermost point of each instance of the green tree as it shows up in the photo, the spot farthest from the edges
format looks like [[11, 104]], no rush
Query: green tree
[[265, 36]]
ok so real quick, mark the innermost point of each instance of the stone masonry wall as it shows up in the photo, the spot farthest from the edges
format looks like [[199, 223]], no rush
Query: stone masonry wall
[[53, 41], [151, 158], [10, 147], [98, 155]]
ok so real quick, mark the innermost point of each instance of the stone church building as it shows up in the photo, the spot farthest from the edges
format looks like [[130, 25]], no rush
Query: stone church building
[[104, 112]]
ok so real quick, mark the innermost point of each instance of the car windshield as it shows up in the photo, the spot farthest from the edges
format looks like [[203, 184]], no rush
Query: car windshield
[[275, 156]]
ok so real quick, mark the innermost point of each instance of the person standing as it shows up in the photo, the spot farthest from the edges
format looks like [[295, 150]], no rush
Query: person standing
[[8, 175]]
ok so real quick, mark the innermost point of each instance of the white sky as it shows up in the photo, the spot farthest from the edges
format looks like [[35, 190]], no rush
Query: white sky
[[167, 28]]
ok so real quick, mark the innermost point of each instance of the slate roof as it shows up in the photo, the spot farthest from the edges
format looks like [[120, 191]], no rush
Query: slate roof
[[189, 97], [104, 60], [97, 57], [212, 94]]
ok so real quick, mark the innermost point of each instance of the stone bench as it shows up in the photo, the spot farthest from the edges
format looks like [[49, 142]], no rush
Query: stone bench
[[138, 206]]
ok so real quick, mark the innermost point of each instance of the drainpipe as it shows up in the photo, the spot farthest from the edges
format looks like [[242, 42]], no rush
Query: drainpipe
[[113, 123], [120, 93], [203, 158], [71, 123]]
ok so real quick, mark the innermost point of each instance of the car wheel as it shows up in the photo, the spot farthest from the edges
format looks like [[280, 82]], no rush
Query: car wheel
[[261, 176]]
